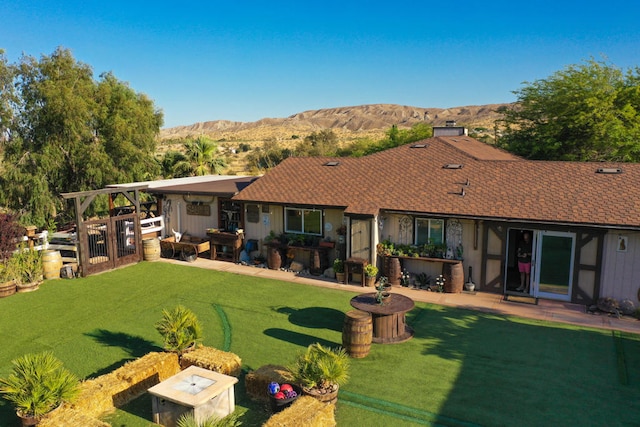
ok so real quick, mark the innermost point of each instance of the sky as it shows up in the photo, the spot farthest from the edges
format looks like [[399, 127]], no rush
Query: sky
[[247, 60]]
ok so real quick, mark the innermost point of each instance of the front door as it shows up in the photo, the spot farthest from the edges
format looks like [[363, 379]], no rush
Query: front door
[[551, 264], [553, 272]]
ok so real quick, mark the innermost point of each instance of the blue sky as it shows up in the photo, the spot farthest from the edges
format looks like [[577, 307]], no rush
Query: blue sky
[[249, 60]]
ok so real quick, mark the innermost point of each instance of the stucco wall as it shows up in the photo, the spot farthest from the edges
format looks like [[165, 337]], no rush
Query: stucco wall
[[174, 209]]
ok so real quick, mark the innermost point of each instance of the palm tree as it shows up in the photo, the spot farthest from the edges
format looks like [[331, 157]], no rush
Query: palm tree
[[201, 153]]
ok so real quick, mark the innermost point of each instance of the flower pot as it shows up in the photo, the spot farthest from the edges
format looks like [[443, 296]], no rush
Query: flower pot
[[28, 287], [7, 289], [371, 280], [28, 420], [325, 396], [340, 277], [469, 286]]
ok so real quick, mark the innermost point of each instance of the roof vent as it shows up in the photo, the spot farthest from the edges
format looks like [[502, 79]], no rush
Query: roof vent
[[609, 170], [419, 146], [452, 166], [333, 163]]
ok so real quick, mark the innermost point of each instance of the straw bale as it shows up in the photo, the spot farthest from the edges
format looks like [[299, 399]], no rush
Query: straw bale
[[69, 417], [305, 411], [257, 382], [213, 359], [112, 390]]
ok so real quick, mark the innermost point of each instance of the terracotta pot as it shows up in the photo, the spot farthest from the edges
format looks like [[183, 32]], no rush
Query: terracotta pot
[[28, 420]]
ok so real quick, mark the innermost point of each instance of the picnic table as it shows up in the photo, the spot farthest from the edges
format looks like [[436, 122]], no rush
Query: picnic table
[[389, 324]]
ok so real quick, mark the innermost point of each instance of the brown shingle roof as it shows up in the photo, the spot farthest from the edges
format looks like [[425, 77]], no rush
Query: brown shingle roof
[[501, 185]]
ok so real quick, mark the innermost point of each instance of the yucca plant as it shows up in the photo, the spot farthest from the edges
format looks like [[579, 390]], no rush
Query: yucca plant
[[38, 384], [188, 419], [180, 329], [320, 367]]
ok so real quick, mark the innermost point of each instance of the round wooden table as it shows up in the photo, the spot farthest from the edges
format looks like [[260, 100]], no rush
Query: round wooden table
[[389, 324]]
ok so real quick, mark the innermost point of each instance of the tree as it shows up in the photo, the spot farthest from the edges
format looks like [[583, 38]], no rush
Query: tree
[[67, 132], [322, 143], [202, 154], [586, 112]]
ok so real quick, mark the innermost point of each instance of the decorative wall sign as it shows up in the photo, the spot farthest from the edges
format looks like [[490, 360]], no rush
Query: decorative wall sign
[[198, 209], [622, 243], [253, 213]]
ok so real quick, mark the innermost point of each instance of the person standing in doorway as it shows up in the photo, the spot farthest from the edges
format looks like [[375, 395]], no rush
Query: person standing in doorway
[[524, 261]]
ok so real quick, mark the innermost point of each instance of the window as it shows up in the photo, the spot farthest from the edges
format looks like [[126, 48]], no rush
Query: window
[[429, 231], [304, 221]]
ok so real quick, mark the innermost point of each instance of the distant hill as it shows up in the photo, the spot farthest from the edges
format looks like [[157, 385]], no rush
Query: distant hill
[[346, 122]]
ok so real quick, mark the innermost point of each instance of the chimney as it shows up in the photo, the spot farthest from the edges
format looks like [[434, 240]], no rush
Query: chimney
[[450, 129]]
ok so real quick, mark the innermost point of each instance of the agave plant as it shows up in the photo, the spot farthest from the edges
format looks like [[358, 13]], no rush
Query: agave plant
[[180, 329], [38, 384]]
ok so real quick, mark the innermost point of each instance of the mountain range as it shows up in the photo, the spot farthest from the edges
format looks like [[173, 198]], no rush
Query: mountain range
[[348, 123]]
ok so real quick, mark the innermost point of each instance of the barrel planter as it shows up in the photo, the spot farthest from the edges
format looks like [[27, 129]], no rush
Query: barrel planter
[[395, 271], [357, 333], [51, 264], [151, 249], [7, 288], [454, 277]]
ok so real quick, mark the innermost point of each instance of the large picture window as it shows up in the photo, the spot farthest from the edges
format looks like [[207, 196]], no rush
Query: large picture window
[[304, 221], [429, 231]]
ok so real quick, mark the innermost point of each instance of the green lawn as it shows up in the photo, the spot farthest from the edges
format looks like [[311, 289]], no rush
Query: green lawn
[[462, 368]]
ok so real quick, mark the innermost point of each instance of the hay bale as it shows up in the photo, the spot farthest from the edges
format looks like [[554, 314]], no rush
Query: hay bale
[[257, 382], [305, 411], [214, 360], [112, 390], [68, 417]]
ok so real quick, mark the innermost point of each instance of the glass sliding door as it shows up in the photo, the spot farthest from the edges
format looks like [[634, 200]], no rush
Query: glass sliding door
[[553, 272]]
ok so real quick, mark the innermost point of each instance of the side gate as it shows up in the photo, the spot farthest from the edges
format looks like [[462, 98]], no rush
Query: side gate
[[109, 243]]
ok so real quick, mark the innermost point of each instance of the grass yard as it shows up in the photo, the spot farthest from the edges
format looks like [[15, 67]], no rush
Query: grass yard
[[462, 368]]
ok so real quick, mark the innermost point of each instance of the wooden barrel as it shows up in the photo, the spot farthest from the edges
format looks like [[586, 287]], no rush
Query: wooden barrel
[[357, 333], [454, 277], [151, 249], [274, 260], [51, 264], [395, 271]]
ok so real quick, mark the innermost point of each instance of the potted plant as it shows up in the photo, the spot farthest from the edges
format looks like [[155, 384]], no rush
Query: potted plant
[[8, 277], [180, 329], [10, 232], [320, 371], [371, 272], [29, 269], [38, 384], [338, 268], [382, 290]]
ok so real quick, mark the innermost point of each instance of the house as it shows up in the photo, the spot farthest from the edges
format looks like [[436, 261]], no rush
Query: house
[[475, 200]]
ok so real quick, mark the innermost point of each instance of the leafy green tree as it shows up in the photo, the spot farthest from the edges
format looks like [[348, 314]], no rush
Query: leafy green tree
[[586, 112], [322, 143], [67, 132], [267, 156]]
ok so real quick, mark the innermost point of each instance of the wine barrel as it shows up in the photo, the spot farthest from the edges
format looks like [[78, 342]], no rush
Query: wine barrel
[[454, 277], [151, 249], [395, 271], [357, 333], [51, 264]]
